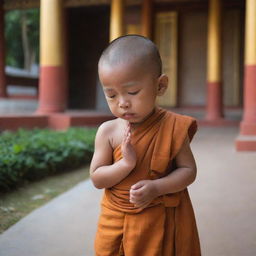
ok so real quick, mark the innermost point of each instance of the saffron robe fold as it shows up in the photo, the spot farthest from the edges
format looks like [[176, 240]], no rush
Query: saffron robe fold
[[167, 227]]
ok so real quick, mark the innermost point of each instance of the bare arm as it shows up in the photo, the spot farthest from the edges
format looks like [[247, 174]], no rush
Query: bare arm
[[143, 192], [103, 172], [181, 177]]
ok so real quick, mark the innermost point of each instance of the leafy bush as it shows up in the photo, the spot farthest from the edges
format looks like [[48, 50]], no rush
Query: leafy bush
[[33, 154]]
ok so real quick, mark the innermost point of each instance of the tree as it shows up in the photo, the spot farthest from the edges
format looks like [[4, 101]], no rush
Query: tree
[[22, 38]]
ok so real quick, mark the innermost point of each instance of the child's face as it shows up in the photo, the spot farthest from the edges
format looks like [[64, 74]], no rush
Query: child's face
[[131, 91]]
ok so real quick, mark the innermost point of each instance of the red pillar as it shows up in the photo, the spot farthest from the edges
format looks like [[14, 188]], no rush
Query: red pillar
[[53, 76], [214, 80], [247, 138], [3, 93], [248, 125]]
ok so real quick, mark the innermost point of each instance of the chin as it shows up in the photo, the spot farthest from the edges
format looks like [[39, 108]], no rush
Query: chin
[[135, 121]]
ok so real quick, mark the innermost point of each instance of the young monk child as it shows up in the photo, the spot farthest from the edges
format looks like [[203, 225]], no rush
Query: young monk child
[[142, 159]]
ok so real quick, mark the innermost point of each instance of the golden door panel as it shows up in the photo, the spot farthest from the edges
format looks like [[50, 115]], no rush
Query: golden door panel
[[166, 40]]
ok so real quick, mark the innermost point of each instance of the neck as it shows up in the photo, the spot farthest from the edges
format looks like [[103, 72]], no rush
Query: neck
[[134, 125]]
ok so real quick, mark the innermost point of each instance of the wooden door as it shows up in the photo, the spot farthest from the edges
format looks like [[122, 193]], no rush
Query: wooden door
[[166, 40]]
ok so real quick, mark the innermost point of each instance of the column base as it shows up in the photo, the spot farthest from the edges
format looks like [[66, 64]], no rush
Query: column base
[[62, 121], [246, 143], [218, 122], [48, 111], [214, 107], [54, 121], [214, 118], [248, 128]]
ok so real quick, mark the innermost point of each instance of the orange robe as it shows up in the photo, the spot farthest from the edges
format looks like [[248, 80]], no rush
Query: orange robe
[[167, 227]]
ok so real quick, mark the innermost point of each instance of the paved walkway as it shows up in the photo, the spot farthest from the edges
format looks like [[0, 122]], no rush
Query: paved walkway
[[63, 227], [223, 198]]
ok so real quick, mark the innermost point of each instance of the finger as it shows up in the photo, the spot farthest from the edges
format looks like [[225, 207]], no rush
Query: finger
[[138, 185], [125, 135], [129, 129], [126, 131], [128, 138], [129, 126], [139, 193], [134, 198], [137, 199], [133, 201], [135, 195], [125, 141]]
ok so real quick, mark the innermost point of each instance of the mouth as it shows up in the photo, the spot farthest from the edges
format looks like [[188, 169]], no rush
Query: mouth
[[128, 116]]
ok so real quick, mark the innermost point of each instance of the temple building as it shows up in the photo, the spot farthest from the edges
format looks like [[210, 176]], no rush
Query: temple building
[[208, 48]]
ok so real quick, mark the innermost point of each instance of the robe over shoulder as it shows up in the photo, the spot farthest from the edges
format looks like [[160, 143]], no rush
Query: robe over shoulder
[[167, 227]]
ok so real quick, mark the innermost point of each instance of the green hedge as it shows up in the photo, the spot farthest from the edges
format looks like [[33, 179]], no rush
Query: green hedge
[[33, 154]]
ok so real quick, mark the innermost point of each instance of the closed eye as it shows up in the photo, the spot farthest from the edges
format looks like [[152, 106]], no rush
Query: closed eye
[[133, 93], [111, 96]]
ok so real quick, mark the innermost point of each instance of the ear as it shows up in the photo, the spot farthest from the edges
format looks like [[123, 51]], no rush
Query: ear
[[162, 84]]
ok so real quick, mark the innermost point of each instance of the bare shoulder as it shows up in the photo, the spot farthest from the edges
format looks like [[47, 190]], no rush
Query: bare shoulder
[[107, 130], [103, 149], [106, 127], [111, 131]]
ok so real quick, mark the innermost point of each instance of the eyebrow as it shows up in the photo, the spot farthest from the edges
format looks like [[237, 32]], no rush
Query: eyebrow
[[108, 89], [129, 84], [126, 85]]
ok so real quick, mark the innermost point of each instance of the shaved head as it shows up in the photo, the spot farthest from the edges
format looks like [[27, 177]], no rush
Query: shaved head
[[134, 49]]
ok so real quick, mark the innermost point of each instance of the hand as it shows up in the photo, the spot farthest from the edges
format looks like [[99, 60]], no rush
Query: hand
[[143, 193], [128, 152]]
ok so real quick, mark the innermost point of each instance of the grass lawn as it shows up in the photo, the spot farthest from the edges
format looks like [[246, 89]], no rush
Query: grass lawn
[[18, 203]]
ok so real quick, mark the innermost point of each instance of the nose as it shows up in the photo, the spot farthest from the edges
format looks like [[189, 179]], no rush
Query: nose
[[123, 103]]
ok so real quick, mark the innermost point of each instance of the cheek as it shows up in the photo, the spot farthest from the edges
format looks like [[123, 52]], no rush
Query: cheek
[[147, 99], [111, 105], [142, 97], [109, 101]]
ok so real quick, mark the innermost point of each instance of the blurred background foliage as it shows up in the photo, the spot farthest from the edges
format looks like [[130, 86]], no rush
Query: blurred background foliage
[[27, 155], [22, 38]]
